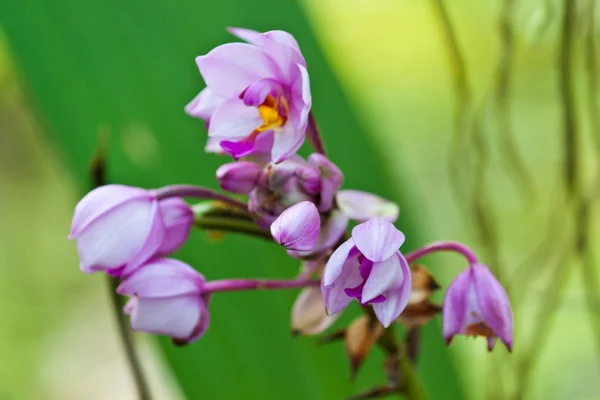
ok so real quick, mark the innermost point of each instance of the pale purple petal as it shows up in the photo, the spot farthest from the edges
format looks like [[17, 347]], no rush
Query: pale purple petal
[[213, 145], [334, 295], [384, 275], [178, 219], [276, 46], [115, 238], [155, 237], [331, 233], [362, 206], [234, 120], [256, 93], [455, 305], [334, 266], [162, 277], [230, 68], [301, 99], [493, 304], [283, 37], [396, 297], [204, 104], [202, 325], [102, 200], [287, 141], [377, 239], [174, 316], [298, 227], [238, 177]]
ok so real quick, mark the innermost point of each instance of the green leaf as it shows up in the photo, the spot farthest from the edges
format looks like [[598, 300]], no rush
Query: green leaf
[[128, 68]]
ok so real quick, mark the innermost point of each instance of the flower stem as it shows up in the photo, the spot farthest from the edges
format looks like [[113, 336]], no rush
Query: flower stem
[[230, 285], [198, 192], [314, 136], [454, 247]]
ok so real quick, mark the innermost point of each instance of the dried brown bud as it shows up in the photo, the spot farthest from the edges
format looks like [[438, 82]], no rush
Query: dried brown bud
[[361, 336], [308, 313], [420, 310]]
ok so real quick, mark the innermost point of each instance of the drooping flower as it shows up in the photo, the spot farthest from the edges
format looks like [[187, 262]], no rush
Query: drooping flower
[[476, 304], [370, 268], [362, 206], [117, 228], [255, 89], [167, 299], [298, 227]]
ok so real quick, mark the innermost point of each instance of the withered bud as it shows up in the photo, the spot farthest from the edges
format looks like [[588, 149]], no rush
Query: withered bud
[[361, 336]]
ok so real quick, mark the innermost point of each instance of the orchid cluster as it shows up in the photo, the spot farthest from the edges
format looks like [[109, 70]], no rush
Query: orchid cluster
[[257, 108]]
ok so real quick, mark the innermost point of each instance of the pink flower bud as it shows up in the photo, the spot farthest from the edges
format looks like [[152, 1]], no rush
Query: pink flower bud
[[370, 268], [297, 228], [117, 228], [238, 177], [331, 179], [178, 219], [166, 299], [476, 304]]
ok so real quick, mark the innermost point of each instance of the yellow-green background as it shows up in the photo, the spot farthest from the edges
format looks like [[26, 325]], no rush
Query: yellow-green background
[[69, 69]]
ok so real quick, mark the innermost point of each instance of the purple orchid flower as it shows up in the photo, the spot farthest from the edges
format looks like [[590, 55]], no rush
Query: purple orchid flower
[[370, 268], [476, 304], [255, 89], [166, 299], [117, 228]]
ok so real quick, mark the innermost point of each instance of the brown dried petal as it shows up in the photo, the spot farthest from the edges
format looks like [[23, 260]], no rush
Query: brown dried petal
[[308, 313], [419, 314], [423, 284]]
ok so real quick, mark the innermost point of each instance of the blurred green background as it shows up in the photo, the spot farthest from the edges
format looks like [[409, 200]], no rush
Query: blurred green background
[[383, 95]]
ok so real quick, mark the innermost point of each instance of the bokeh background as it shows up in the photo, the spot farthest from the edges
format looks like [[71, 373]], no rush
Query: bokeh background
[[385, 93]]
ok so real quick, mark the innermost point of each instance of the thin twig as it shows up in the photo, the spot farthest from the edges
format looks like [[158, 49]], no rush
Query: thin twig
[[97, 173]]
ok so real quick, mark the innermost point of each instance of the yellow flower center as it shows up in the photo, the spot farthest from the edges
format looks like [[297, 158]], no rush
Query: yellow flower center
[[269, 112]]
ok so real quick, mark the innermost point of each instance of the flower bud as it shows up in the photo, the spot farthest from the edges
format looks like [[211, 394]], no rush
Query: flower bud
[[238, 177], [117, 228], [476, 304], [166, 299], [331, 179], [298, 227]]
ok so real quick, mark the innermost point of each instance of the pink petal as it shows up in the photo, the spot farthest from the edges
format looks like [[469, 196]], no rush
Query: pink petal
[[213, 145], [396, 297], [334, 295], [234, 120], [493, 303], [287, 141], [230, 68], [115, 238], [102, 200], [334, 266], [276, 46], [162, 277], [455, 305], [297, 228], [384, 275], [283, 37], [331, 179], [377, 239], [204, 104], [256, 93], [178, 219], [300, 99], [174, 316], [362, 206]]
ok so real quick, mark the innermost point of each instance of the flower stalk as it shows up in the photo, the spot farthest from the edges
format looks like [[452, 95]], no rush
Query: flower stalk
[[198, 192], [231, 285]]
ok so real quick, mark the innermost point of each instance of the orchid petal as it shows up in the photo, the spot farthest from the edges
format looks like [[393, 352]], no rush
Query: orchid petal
[[377, 239], [455, 305], [384, 275], [334, 266], [234, 120], [362, 206], [204, 104]]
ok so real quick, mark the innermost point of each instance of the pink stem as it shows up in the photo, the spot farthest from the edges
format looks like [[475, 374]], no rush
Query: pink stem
[[454, 247], [230, 285], [314, 136], [198, 192]]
